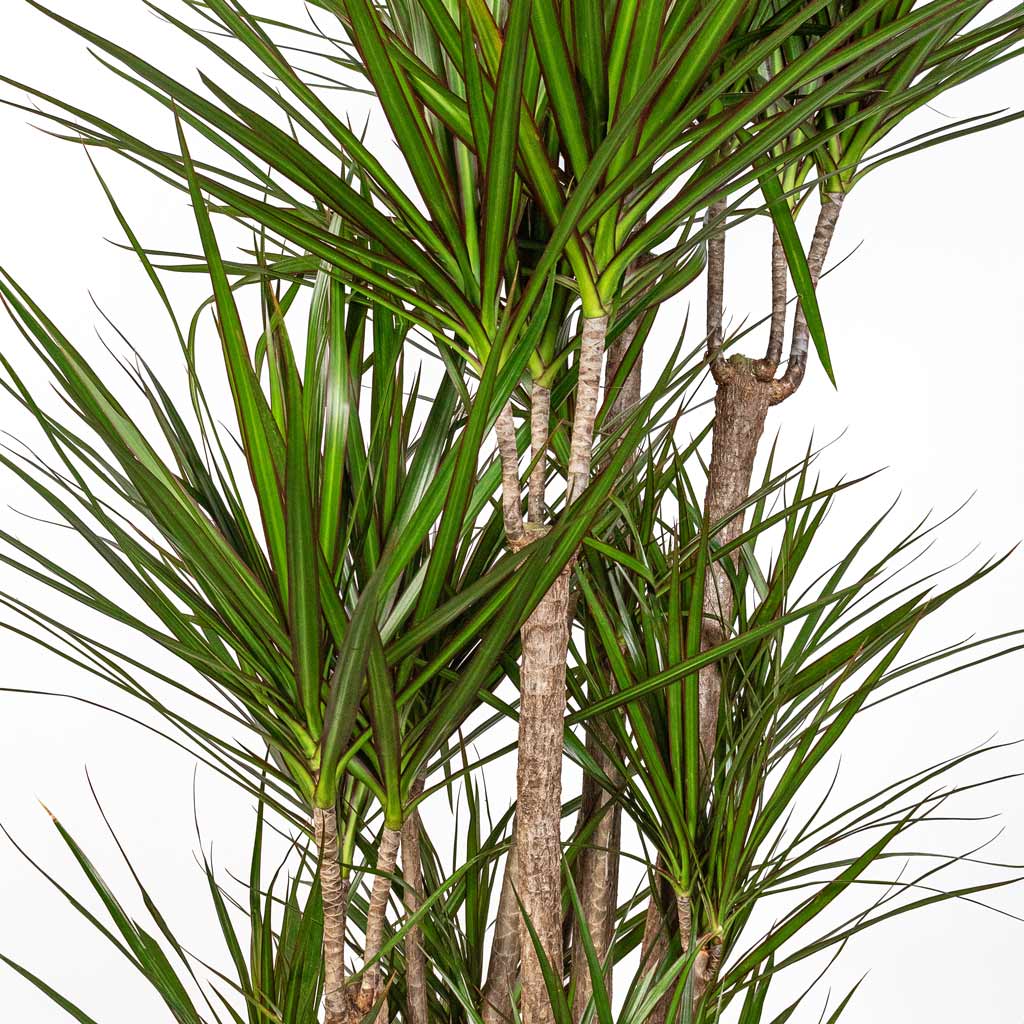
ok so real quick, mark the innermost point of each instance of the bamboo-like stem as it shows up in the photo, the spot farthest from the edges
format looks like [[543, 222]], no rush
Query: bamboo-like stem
[[777, 327], [387, 858], [654, 945], [741, 406], [745, 392], [597, 869], [540, 425], [598, 891], [824, 230], [545, 641], [334, 897], [715, 337], [508, 453], [581, 445], [684, 916], [706, 967], [412, 890], [545, 644], [502, 968]]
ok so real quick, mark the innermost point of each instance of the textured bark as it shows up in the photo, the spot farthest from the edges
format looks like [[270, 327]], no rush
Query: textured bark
[[705, 968], [597, 868], [655, 946], [777, 328], [502, 968], [412, 895], [684, 917], [598, 891], [745, 391], [545, 640], [581, 446], [334, 895], [387, 857], [545, 644], [540, 420], [508, 452], [655, 941], [654, 930], [627, 395], [716, 282], [824, 230], [741, 405]]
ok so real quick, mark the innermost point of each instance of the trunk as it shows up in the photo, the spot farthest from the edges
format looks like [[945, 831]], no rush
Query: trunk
[[716, 281], [508, 450], [745, 391], [502, 966], [387, 857], [598, 893], [598, 865], [581, 446], [628, 394], [824, 229], [777, 327], [741, 405], [545, 640], [655, 940], [412, 892], [334, 894], [540, 419], [545, 644]]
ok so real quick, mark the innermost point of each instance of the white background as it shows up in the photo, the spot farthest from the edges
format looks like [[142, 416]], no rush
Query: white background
[[926, 325]]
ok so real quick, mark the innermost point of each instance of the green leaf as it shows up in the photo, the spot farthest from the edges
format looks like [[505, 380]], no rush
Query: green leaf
[[262, 444], [68, 1007]]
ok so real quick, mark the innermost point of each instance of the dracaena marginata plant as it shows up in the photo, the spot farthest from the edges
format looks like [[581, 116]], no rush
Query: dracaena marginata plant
[[814, 650], [343, 583]]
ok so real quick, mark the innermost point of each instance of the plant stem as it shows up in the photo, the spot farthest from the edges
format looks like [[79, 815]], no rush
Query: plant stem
[[706, 967], [598, 891], [545, 645], [824, 230], [777, 327], [412, 877], [581, 446], [742, 399], [655, 941], [716, 281], [540, 419], [741, 406], [387, 857], [334, 896], [504, 960], [508, 452], [545, 641], [598, 863]]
